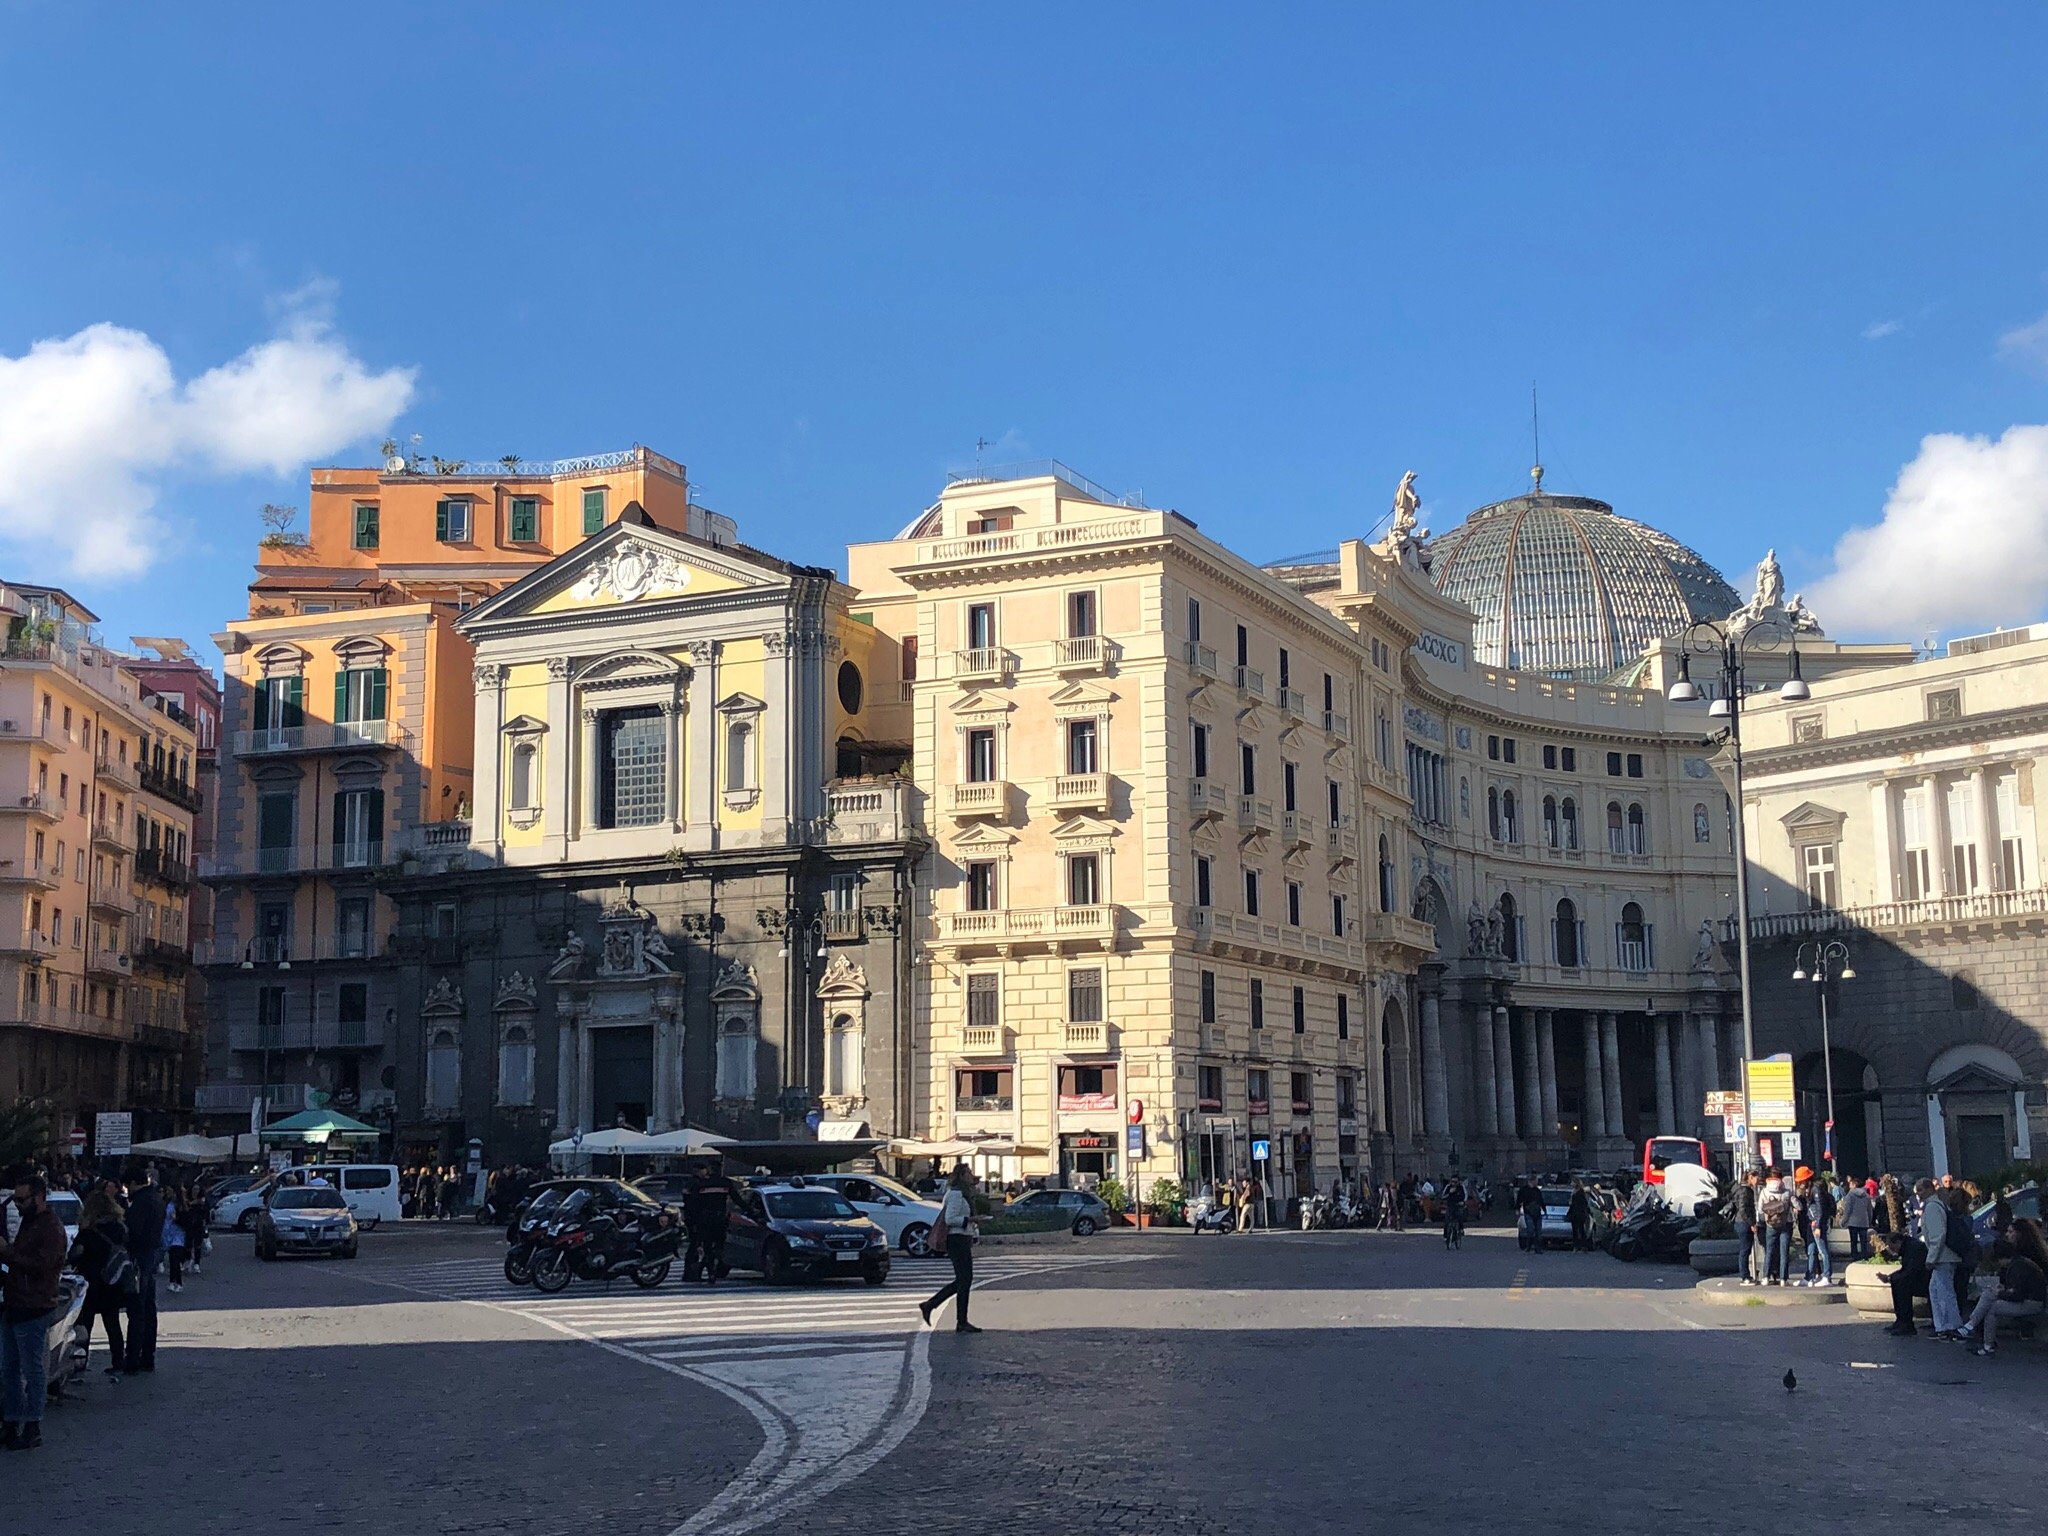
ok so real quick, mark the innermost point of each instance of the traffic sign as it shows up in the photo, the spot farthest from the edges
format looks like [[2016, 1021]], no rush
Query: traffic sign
[[1792, 1146], [1737, 1131], [1262, 1149], [1724, 1102], [1136, 1113], [113, 1132], [1134, 1140], [77, 1139]]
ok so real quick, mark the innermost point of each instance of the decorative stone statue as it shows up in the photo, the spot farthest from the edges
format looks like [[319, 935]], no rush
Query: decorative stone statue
[[655, 951], [1702, 826], [1475, 930], [1496, 930], [618, 952], [1704, 952], [1770, 583], [1405, 504], [1800, 616], [569, 959]]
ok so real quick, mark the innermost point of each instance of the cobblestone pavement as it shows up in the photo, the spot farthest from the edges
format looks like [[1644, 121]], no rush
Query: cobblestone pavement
[[1269, 1382]]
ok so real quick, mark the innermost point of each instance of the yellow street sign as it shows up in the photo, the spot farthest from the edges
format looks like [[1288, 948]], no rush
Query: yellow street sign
[[1773, 1106]]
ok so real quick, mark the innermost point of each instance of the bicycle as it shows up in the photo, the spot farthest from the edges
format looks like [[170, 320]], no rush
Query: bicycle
[[1454, 1229]]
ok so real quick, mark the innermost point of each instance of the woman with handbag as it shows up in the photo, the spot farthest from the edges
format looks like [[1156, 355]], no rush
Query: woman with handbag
[[955, 1233], [109, 1271]]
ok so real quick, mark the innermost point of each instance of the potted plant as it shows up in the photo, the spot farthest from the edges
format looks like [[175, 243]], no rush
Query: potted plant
[[1169, 1201], [1867, 1284], [1111, 1192]]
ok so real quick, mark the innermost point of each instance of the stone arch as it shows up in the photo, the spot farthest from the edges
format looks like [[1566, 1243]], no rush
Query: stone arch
[[1859, 1111], [1400, 1076]]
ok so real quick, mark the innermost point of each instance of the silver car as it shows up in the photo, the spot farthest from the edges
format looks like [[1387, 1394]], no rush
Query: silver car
[[306, 1219]]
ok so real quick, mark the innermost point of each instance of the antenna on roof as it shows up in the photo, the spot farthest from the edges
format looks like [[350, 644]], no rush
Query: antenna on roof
[[1536, 435], [981, 445]]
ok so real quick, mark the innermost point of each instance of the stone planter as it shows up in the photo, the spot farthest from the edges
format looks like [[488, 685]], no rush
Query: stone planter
[[1712, 1255], [1869, 1292]]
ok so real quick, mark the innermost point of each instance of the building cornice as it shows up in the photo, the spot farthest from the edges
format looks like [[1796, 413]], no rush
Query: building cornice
[[1897, 741]]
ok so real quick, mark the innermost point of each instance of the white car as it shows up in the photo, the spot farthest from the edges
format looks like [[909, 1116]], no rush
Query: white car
[[904, 1216], [241, 1210]]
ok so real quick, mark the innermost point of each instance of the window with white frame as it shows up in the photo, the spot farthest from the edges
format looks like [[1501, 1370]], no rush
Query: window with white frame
[[1084, 879], [444, 1069], [515, 1064], [845, 1053], [1817, 867], [1084, 753]]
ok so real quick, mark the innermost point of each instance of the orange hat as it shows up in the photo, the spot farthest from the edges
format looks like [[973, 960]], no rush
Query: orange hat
[[1801, 1174]]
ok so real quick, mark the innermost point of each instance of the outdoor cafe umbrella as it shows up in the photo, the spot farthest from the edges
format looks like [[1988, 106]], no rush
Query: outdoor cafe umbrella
[[620, 1139], [317, 1127], [185, 1149], [683, 1139]]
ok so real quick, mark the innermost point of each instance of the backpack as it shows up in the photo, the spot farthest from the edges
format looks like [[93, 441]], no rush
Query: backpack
[[1776, 1209], [119, 1272], [1959, 1237]]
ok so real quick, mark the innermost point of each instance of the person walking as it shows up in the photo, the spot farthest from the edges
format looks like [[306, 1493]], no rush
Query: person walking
[[1742, 1215], [103, 1260], [429, 1194], [2022, 1291], [1854, 1214], [1580, 1214], [1779, 1213], [1815, 1207], [451, 1193], [29, 1293], [174, 1240], [1942, 1259], [1529, 1202], [192, 1217], [962, 1231], [146, 1248]]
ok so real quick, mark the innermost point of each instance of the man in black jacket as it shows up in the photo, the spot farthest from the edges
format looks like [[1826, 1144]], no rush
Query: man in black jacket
[[1742, 1212], [706, 1207], [146, 1247], [30, 1291]]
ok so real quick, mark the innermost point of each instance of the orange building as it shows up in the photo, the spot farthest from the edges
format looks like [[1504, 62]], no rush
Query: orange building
[[348, 733]]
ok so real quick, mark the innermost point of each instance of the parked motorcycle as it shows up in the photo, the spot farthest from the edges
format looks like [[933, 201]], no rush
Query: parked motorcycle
[[1650, 1229], [526, 1232], [68, 1335], [1208, 1216], [1315, 1212], [588, 1244]]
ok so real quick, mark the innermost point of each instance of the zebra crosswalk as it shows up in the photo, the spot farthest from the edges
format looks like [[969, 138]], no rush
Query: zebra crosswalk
[[736, 1319]]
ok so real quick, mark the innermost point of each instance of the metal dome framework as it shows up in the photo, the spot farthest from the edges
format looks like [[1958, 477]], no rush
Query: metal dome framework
[[1562, 585]]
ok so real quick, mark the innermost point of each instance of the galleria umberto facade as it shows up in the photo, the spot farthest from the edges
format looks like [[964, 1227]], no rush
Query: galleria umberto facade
[[1058, 830]]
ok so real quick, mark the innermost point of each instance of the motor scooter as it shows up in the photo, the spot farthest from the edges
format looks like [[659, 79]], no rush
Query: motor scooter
[[1207, 1216]]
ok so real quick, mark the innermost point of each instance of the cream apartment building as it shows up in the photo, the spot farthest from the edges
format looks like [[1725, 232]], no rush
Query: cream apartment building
[[1153, 947], [1896, 814]]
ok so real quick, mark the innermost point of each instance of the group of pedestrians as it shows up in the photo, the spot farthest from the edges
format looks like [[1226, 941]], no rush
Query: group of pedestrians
[[430, 1193], [1794, 1217], [128, 1234], [1935, 1240]]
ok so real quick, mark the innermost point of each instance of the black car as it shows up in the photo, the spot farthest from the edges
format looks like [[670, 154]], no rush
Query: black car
[[783, 1230]]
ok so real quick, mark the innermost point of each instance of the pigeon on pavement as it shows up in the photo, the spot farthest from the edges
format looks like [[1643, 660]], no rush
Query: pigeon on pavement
[[1791, 1382]]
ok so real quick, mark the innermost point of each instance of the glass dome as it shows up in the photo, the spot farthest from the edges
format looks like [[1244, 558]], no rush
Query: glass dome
[[1563, 586]]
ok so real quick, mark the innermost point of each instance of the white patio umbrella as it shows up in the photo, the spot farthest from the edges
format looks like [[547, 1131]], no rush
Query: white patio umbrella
[[185, 1149], [621, 1140], [683, 1139]]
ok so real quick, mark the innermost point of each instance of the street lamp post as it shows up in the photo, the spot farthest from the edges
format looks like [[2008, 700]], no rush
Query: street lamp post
[[1730, 642], [1832, 956]]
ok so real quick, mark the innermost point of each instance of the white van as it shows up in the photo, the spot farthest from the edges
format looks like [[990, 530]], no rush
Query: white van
[[370, 1190]]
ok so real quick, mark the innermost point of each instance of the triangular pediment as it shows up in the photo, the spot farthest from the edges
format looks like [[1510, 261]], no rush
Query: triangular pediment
[[1081, 695], [740, 704], [981, 702], [1975, 1077], [1809, 817], [630, 563], [1078, 827], [983, 835]]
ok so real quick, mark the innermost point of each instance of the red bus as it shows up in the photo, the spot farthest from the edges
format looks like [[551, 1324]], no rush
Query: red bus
[[1660, 1152]]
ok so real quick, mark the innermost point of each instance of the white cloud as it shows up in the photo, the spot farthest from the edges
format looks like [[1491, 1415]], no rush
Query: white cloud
[[1963, 545], [92, 424], [1878, 330], [2027, 344]]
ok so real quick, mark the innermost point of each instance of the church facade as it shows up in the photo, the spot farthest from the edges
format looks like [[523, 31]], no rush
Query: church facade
[[684, 890]]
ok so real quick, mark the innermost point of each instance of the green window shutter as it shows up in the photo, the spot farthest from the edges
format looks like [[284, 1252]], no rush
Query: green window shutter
[[340, 819], [525, 519], [366, 527], [374, 704], [294, 701], [376, 825], [274, 821], [593, 511], [262, 720], [341, 696], [441, 521]]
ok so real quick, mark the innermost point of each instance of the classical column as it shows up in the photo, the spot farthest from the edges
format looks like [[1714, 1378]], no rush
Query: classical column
[[1485, 1091], [1710, 1054], [1504, 1070], [586, 1089], [486, 818], [1667, 1116], [593, 772], [1534, 1127], [700, 730], [565, 1075], [1990, 866], [1593, 1119], [1689, 1097], [1546, 1061], [1938, 835], [667, 1071], [1610, 1072], [556, 756], [1436, 1103], [1883, 857], [671, 763]]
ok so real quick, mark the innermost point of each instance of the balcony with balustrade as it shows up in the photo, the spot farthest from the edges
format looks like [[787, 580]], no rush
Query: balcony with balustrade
[[37, 807], [1087, 1035], [876, 810], [115, 772], [1297, 829], [109, 962], [1254, 814], [155, 865], [110, 834], [1251, 682], [1976, 912], [1291, 701], [1341, 841], [1202, 659], [28, 944], [319, 736], [1208, 800], [1093, 927], [984, 1040], [1079, 792], [108, 900], [1398, 930], [983, 664], [983, 797], [178, 791], [1080, 654], [1337, 723], [39, 874]]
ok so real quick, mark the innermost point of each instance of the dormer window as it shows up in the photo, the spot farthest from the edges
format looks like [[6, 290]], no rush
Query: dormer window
[[451, 521]]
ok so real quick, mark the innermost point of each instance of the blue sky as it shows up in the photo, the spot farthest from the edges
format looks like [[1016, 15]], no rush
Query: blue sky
[[1256, 261]]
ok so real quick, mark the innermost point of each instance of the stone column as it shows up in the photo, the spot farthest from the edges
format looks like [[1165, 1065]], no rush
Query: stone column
[[700, 730], [1593, 1121], [1504, 1070], [1546, 1062], [672, 747], [586, 1089], [1667, 1115], [1990, 868], [1534, 1127], [565, 1075], [592, 770], [1485, 1091], [1436, 1103], [1884, 857], [667, 1072], [1610, 1073], [486, 817], [1938, 836], [557, 814]]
